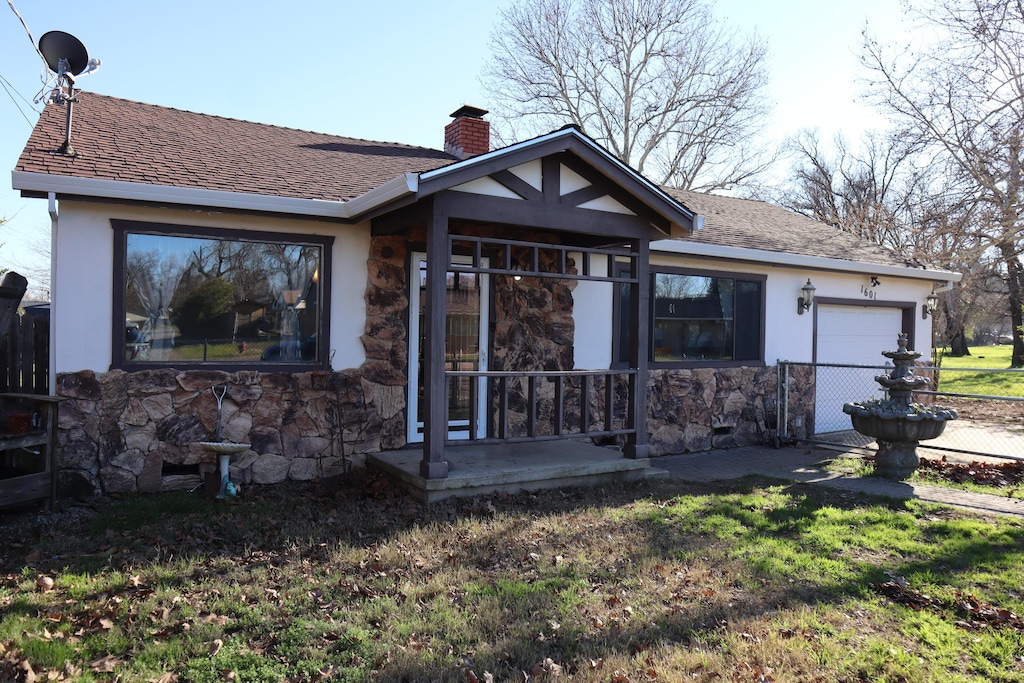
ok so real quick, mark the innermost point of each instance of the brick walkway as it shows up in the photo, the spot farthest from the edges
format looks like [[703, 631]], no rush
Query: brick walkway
[[805, 463]]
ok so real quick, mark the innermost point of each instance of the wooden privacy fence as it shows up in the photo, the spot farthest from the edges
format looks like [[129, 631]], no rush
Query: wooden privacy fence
[[25, 351]]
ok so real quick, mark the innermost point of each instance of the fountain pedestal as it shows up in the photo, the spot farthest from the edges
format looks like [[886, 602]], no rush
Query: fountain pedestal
[[897, 423], [223, 449]]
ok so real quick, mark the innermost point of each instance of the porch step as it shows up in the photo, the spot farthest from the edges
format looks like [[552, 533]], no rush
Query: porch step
[[655, 473], [476, 469]]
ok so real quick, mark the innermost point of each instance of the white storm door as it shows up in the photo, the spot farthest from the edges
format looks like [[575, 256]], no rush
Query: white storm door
[[465, 348]]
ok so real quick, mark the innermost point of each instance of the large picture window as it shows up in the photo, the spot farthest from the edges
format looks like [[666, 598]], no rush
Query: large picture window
[[190, 296], [700, 318]]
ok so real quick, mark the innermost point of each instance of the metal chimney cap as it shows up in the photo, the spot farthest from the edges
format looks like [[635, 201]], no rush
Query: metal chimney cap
[[468, 110]]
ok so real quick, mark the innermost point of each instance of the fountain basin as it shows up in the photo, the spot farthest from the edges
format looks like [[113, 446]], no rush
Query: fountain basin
[[908, 427]]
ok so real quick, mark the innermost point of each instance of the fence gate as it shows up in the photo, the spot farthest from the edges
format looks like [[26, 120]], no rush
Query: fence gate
[[811, 398], [25, 352]]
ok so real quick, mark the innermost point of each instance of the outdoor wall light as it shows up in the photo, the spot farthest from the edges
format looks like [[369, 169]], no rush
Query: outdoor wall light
[[517, 276], [930, 305], [806, 298]]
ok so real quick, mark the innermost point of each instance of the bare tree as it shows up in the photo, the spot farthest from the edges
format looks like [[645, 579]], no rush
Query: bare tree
[[874, 191], [886, 191], [660, 83], [963, 99]]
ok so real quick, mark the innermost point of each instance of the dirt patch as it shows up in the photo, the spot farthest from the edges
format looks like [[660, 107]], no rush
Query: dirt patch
[[987, 410]]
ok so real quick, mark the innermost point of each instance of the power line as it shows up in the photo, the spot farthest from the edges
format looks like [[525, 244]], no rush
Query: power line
[[8, 87], [32, 40]]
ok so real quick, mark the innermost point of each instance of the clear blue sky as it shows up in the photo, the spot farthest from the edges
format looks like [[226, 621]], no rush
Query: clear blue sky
[[388, 70]]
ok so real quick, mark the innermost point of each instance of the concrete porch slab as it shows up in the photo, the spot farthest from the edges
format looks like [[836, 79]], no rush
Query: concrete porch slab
[[486, 468]]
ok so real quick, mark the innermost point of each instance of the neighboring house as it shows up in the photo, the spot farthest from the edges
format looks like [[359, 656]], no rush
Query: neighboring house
[[359, 297]]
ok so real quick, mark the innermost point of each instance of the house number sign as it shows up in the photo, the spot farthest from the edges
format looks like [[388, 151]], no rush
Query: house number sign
[[868, 292]]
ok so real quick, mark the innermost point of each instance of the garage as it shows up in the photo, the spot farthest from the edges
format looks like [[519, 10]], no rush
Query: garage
[[851, 335]]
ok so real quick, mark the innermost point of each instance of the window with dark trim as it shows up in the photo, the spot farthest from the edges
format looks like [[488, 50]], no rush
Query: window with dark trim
[[698, 318], [192, 296]]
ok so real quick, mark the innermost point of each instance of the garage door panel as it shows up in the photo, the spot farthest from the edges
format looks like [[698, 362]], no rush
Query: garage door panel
[[855, 335]]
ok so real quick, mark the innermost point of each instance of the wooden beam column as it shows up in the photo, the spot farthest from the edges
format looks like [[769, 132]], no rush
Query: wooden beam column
[[435, 398], [639, 337]]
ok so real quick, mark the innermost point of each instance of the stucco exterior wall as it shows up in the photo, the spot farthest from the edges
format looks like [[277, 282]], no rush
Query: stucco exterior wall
[[123, 432], [83, 255]]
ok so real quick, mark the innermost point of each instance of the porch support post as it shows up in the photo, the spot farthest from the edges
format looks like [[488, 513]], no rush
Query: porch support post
[[639, 335], [435, 399]]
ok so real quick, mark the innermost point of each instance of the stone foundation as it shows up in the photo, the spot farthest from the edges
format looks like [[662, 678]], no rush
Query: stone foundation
[[700, 409], [138, 432]]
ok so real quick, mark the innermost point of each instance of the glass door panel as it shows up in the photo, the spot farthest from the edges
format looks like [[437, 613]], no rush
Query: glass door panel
[[465, 348]]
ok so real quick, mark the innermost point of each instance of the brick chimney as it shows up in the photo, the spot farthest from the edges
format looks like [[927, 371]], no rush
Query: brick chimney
[[468, 134]]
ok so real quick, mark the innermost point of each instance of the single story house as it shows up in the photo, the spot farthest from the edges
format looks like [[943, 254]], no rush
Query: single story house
[[362, 298]]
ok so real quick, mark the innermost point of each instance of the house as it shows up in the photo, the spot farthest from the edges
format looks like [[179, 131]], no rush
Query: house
[[363, 298]]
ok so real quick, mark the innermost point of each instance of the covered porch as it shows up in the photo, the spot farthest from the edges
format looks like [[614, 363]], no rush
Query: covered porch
[[531, 223]]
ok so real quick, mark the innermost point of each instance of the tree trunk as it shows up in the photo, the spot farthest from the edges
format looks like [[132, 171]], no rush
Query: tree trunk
[[958, 344], [1015, 292], [955, 333]]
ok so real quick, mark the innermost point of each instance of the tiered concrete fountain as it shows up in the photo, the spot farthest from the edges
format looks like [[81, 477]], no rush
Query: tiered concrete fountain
[[223, 449], [896, 422]]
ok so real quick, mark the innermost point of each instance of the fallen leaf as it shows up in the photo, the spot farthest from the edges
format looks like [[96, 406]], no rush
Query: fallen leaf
[[165, 678], [29, 676], [105, 664], [215, 647]]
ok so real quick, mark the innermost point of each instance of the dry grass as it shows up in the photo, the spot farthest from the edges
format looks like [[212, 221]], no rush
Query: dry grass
[[748, 581]]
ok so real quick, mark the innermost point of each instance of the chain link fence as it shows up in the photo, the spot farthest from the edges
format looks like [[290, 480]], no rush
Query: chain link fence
[[990, 403]]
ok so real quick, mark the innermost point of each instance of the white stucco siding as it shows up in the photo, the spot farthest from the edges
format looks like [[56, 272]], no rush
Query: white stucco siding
[[82, 308], [83, 256]]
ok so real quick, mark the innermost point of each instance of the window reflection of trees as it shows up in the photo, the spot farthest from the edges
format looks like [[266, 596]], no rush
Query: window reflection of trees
[[171, 291]]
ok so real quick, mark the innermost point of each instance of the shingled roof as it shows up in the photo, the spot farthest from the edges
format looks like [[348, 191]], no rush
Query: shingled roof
[[751, 224], [121, 140]]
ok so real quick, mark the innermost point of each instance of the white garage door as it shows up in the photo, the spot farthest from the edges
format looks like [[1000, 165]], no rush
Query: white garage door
[[850, 335]]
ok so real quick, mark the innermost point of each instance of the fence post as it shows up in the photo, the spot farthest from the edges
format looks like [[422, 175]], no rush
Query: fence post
[[783, 400]]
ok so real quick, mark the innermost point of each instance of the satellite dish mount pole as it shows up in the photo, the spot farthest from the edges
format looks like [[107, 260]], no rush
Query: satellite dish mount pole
[[67, 57], [64, 74]]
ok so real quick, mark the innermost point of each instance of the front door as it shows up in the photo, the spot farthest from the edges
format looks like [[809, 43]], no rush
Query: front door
[[465, 347]]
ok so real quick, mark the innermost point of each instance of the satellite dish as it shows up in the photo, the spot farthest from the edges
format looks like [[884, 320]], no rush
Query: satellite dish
[[57, 45]]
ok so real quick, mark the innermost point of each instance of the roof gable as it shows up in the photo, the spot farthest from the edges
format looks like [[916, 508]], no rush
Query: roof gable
[[564, 167]]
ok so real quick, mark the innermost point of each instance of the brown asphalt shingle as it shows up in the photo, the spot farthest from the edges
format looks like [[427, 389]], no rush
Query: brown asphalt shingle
[[118, 139], [751, 224], [122, 140]]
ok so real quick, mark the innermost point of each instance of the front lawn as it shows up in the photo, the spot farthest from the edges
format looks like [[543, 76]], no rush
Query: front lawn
[[658, 581], [956, 377]]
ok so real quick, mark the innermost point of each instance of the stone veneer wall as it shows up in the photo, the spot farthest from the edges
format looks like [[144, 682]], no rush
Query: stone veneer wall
[[119, 431], [703, 408]]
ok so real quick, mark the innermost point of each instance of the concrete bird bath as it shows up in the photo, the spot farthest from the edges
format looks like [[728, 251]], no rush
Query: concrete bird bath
[[897, 423], [223, 449]]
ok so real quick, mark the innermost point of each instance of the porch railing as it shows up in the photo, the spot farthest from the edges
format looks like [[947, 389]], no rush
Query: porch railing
[[548, 405]]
